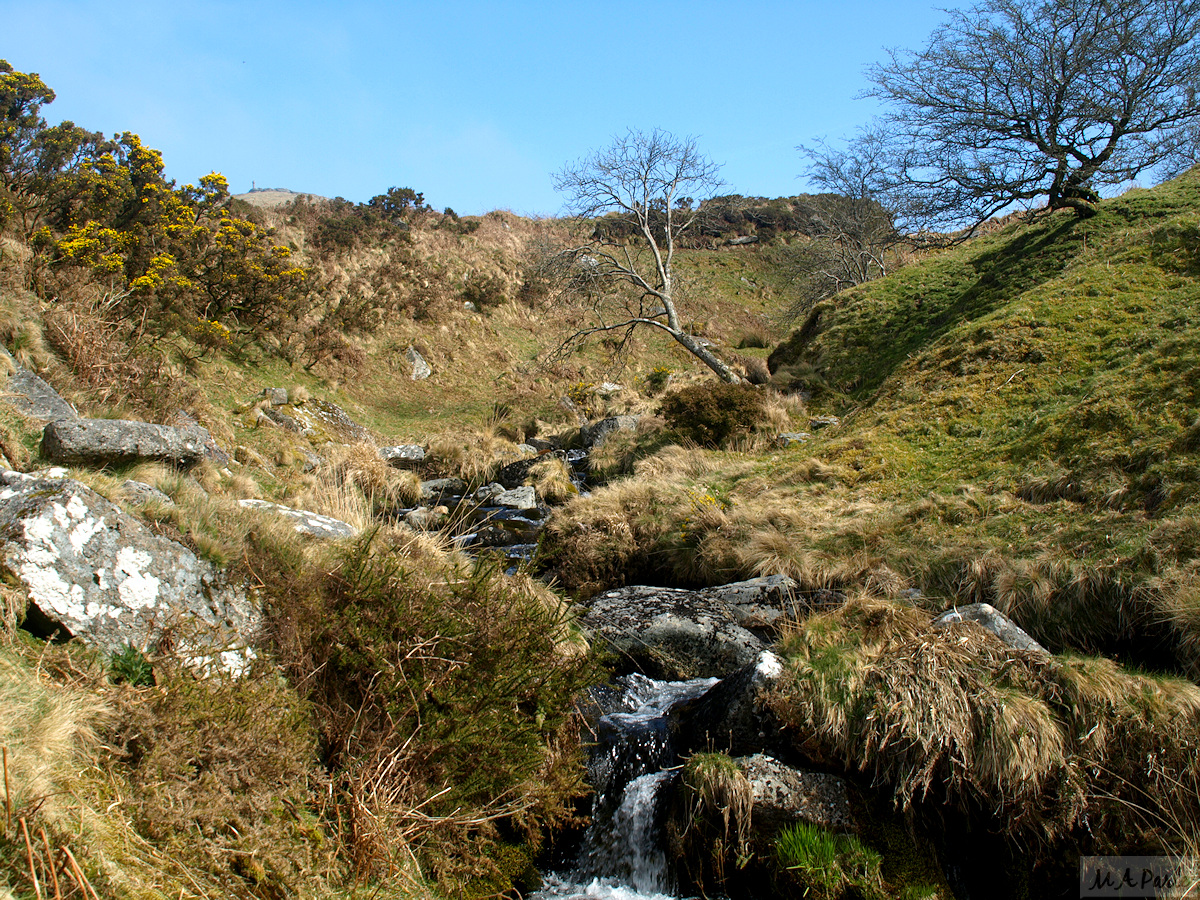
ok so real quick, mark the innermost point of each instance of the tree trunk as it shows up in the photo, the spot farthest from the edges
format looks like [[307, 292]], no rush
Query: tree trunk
[[706, 356]]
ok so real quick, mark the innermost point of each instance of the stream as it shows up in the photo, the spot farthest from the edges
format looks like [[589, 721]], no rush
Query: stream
[[622, 857]]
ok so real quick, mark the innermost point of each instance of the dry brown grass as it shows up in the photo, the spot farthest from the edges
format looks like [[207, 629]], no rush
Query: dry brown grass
[[551, 477], [474, 456], [954, 716], [711, 834]]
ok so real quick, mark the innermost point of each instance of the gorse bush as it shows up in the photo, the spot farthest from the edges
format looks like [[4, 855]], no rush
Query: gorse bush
[[442, 695], [710, 414]]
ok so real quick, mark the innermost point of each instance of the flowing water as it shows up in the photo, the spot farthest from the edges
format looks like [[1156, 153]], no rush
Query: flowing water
[[622, 856]]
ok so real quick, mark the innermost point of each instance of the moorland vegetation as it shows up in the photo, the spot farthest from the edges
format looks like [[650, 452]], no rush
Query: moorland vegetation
[[1013, 419]]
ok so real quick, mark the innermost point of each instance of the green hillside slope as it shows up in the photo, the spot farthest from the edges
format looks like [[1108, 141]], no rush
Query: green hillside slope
[[1018, 425]]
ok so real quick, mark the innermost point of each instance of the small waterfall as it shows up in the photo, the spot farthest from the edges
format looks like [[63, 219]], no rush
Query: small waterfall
[[622, 857]]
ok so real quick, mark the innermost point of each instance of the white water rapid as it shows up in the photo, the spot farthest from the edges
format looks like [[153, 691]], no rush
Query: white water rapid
[[622, 856]]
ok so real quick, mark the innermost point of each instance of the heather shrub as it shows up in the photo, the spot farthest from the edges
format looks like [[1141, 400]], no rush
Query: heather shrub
[[710, 414]]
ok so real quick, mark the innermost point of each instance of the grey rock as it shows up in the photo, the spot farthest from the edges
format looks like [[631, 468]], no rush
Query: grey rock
[[759, 605], [742, 240], [425, 518], [276, 396], [524, 497], [305, 522], [212, 449], [823, 422], [403, 456], [670, 633], [596, 433], [783, 795], [607, 389], [435, 489], [35, 398], [329, 421], [987, 616], [113, 441], [735, 716], [792, 438], [283, 420], [470, 307], [420, 368], [140, 492], [488, 493], [94, 572]]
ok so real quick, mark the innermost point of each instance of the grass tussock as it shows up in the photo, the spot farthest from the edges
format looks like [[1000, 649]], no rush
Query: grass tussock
[[953, 716], [475, 456], [551, 476], [356, 486], [711, 833], [826, 866]]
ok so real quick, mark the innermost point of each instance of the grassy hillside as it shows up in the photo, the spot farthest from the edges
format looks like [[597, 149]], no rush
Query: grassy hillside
[[1019, 422]]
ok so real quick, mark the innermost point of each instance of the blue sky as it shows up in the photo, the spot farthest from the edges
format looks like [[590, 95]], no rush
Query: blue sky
[[475, 104]]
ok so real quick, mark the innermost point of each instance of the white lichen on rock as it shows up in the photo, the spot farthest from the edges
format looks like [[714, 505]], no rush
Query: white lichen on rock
[[92, 571]]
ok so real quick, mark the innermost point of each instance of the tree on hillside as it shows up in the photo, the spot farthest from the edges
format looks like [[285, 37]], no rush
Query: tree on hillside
[[1015, 101], [40, 165], [852, 232], [647, 187]]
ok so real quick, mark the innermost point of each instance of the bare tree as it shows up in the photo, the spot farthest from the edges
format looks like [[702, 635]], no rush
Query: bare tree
[[648, 187], [852, 232], [1016, 101]]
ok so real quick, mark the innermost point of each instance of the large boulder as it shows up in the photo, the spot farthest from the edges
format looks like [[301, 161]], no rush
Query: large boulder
[[783, 795], [674, 633], [735, 716], [93, 572], [759, 605], [100, 442], [670, 633]]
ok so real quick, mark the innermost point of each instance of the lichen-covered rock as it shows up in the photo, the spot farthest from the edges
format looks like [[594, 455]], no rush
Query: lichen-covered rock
[[757, 604], [100, 442], [272, 416], [524, 497], [403, 456], [671, 633], [324, 420], [420, 368], [35, 398], [276, 396], [310, 523], [987, 616], [93, 572], [783, 795]]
